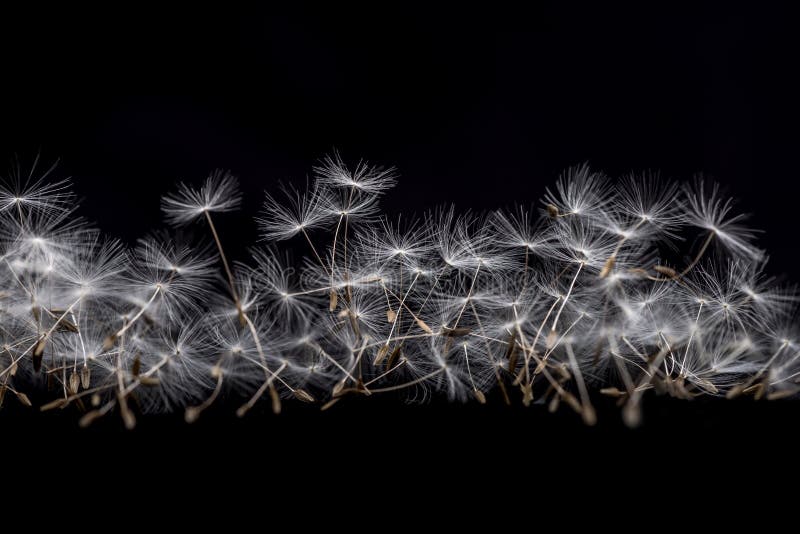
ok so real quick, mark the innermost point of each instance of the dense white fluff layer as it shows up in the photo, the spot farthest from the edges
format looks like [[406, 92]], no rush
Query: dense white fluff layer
[[551, 303]]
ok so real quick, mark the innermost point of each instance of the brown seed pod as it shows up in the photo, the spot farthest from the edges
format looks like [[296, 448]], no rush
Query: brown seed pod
[[276, 400], [74, 382], [382, 352], [38, 352], [394, 356], [455, 332], [608, 266], [86, 376], [669, 272], [23, 399], [424, 326], [303, 395]]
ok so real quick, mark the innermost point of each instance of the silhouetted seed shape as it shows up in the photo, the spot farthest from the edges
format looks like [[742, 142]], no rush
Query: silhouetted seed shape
[[361, 387], [424, 326], [330, 403], [58, 403], [38, 351], [759, 391], [148, 380], [137, 366], [511, 353], [66, 326], [707, 386], [276, 400], [23, 399], [391, 315], [479, 396], [191, 414], [735, 391], [382, 352], [89, 417], [588, 415], [86, 377], [127, 416], [455, 332], [552, 210], [527, 394], [608, 266], [753, 388], [74, 382], [783, 394], [354, 323], [666, 271], [393, 357], [334, 300], [303, 395], [552, 406], [504, 393], [632, 414]]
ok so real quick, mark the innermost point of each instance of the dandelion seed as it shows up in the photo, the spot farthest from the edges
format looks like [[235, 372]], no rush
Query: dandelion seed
[[218, 194], [572, 303]]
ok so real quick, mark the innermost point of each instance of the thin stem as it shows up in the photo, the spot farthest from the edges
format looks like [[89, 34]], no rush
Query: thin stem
[[231, 282], [408, 384], [566, 297]]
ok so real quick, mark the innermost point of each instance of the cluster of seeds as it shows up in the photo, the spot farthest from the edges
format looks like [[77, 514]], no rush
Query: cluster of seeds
[[608, 286]]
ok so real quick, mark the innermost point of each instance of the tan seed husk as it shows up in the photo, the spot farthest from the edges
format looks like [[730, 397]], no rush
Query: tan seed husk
[[455, 332], [382, 352], [303, 395], [424, 326], [334, 300], [74, 382], [608, 266], [24, 399], [666, 271], [393, 357], [38, 352], [86, 377], [276, 400]]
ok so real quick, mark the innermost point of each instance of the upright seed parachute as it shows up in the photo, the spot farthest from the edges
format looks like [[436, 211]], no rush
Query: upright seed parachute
[[582, 295]]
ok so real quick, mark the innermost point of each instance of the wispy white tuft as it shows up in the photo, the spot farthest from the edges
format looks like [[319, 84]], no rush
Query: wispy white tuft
[[554, 305]]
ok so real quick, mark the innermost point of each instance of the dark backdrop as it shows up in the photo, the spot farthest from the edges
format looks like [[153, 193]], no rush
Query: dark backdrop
[[476, 107]]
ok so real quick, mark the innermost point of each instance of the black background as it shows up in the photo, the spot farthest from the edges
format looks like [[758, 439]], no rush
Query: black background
[[475, 107]]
